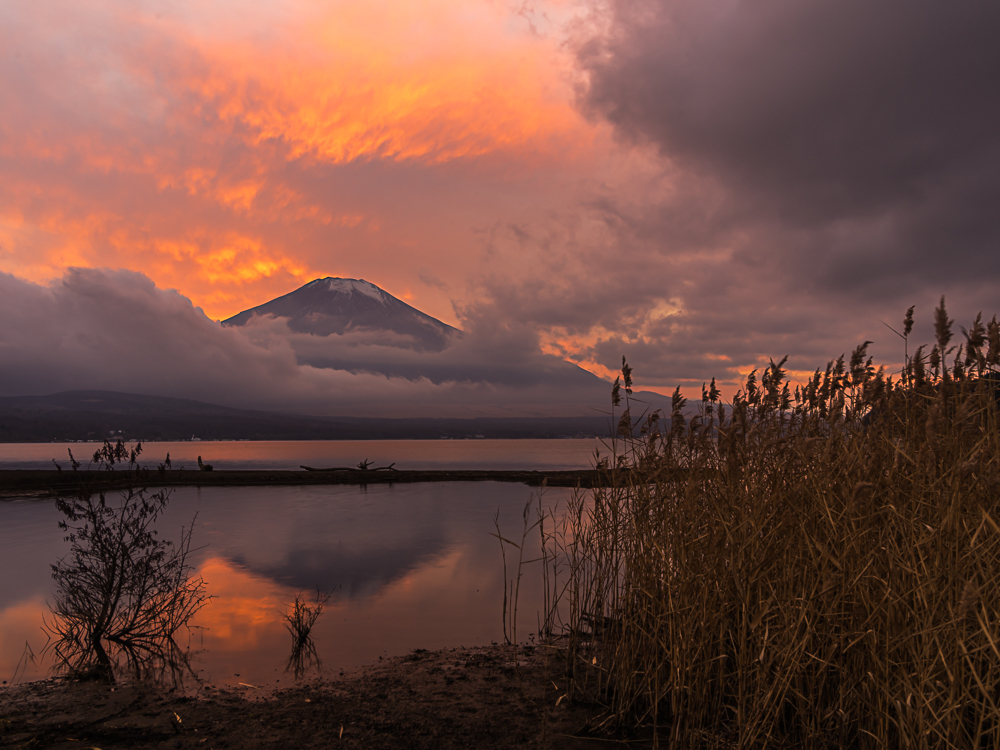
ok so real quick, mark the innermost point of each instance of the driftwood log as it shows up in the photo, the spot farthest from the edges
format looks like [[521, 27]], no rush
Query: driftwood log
[[365, 465]]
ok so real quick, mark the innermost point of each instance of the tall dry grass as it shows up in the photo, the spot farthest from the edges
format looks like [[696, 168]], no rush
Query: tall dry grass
[[813, 566]]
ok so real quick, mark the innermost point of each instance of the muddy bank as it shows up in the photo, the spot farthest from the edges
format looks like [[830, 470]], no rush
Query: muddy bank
[[454, 698], [20, 482]]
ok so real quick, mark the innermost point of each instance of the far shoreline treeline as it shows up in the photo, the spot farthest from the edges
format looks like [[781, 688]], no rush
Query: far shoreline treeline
[[95, 416]]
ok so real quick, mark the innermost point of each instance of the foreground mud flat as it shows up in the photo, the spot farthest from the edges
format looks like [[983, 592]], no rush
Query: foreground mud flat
[[454, 698]]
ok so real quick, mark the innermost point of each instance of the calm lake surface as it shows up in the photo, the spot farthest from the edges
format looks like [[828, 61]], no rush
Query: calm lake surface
[[409, 566]]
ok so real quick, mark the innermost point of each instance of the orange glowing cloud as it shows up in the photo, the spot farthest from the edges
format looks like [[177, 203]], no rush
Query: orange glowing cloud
[[426, 81], [182, 148]]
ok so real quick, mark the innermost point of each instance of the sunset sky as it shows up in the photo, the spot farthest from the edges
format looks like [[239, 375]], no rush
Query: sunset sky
[[696, 185]]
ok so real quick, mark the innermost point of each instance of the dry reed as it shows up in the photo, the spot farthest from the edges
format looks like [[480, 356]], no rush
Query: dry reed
[[299, 622], [812, 567]]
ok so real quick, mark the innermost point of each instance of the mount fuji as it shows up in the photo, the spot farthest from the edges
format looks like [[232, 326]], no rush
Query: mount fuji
[[331, 306]]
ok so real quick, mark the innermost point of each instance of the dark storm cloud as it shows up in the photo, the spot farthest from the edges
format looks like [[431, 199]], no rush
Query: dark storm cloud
[[822, 167], [873, 126], [688, 290]]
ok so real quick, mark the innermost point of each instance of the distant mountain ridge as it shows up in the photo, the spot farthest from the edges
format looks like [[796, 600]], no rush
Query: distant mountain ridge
[[100, 415], [330, 306]]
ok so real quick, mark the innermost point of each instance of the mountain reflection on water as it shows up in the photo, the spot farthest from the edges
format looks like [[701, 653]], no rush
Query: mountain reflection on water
[[350, 573], [408, 566], [350, 541]]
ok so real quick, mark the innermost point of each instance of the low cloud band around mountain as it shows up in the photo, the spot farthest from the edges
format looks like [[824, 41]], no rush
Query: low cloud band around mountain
[[115, 330]]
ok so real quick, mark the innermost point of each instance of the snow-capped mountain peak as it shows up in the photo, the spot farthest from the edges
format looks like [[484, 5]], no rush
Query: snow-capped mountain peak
[[329, 306], [350, 286]]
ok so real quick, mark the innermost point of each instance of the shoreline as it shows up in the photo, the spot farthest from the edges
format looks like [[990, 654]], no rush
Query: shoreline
[[50, 482], [448, 699]]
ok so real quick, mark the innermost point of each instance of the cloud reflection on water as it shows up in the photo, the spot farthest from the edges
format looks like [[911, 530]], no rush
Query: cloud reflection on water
[[409, 566]]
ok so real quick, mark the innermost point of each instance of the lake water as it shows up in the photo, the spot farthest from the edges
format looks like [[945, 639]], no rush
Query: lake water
[[409, 566]]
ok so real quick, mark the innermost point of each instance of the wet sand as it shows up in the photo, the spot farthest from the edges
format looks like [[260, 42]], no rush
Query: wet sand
[[448, 699]]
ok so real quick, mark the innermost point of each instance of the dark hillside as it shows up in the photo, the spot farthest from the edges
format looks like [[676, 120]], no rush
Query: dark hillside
[[96, 415]]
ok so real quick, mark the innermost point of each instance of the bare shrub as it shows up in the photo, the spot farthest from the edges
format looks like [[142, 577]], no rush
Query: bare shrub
[[122, 593]]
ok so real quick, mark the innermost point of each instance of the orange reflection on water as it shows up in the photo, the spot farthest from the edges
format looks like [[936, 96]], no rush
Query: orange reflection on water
[[21, 629], [246, 610]]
